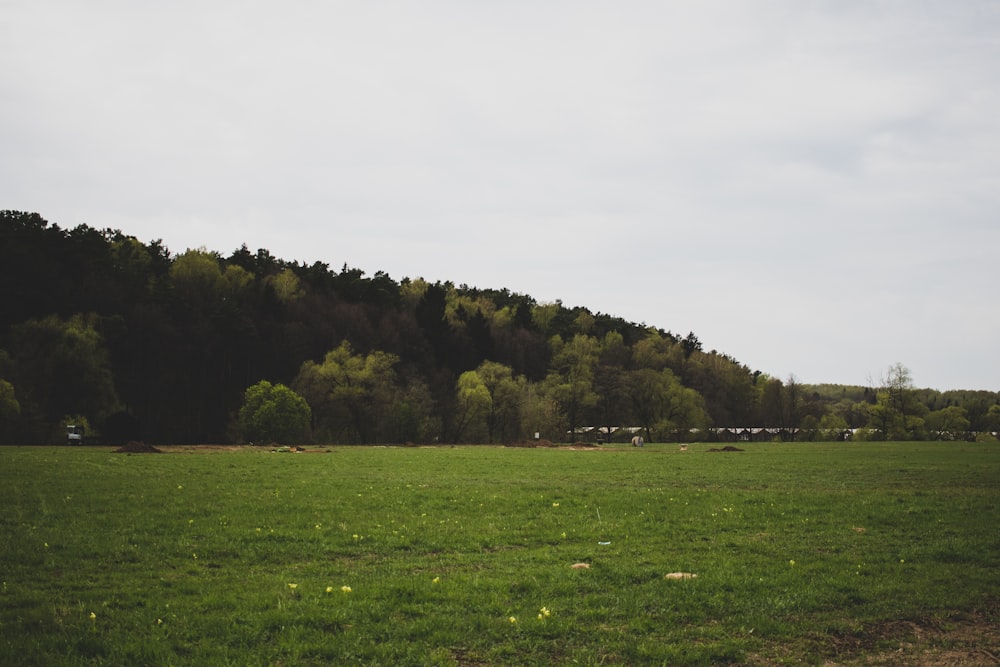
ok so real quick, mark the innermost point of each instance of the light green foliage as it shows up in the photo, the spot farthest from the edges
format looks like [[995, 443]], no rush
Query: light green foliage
[[411, 291], [657, 352], [488, 403], [197, 276], [351, 394], [831, 426], [421, 556], [459, 307], [287, 286], [993, 418], [950, 422], [473, 405], [584, 322], [236, 279], [274, 414], [544, 314], [897, 413]]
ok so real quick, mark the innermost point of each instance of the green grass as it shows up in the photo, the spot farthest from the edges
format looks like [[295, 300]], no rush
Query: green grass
[[239, 558]]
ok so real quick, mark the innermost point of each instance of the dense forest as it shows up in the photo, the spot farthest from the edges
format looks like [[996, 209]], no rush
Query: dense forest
[[100, 329]]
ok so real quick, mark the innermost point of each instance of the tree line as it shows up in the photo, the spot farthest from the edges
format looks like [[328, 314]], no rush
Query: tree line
[[134, 342]]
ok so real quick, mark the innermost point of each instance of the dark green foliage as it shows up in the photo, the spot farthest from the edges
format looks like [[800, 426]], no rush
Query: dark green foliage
[[96, 323]]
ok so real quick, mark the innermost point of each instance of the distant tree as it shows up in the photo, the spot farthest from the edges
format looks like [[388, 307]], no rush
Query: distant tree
[[541, 414], [991, 422], [477, 330], [898, 383], [411, 417], [543, 315], [177, 340], [658, 351], [771, 403], [727, 387], [662, 406], [472, 407], [831, 427], [62, 367], [273, 413], [881, 418], [690, 344], [351, 394], [896, 413], [135, 266], [584, 322], [197, 278], [200, 346], [610, 382], [570, 379], [489, 395], [792, 408], [10, 412], [949, 423], [809, 428], [430, 315], [286, 285]]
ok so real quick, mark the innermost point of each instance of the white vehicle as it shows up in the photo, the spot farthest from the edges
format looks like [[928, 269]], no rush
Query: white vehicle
[[74, 434]]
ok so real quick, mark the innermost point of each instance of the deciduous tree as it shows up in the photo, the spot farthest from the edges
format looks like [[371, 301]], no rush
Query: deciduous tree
[[350, 393], [62, 367], [273, 413], [949, 423], [570, 380]]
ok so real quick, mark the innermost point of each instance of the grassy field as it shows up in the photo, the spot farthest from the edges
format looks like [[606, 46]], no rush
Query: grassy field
[[804, 554]]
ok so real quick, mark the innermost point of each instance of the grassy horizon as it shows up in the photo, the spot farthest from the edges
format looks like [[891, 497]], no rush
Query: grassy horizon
[[463, 555]]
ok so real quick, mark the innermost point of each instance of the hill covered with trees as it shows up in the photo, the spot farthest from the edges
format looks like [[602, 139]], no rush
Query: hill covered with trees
[[100, 328]]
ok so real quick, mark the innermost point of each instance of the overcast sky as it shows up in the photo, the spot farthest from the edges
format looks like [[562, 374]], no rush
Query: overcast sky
[[812, 188]]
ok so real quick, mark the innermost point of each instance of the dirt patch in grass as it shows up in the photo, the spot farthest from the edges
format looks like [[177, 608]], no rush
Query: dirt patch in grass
[[727, 448], [972, 641], [208, 449], [581, 445], [134, 447]]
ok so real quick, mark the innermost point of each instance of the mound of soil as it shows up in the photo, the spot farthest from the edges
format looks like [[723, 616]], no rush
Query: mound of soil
[[727, 448], [134, 447], [542, 442]]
